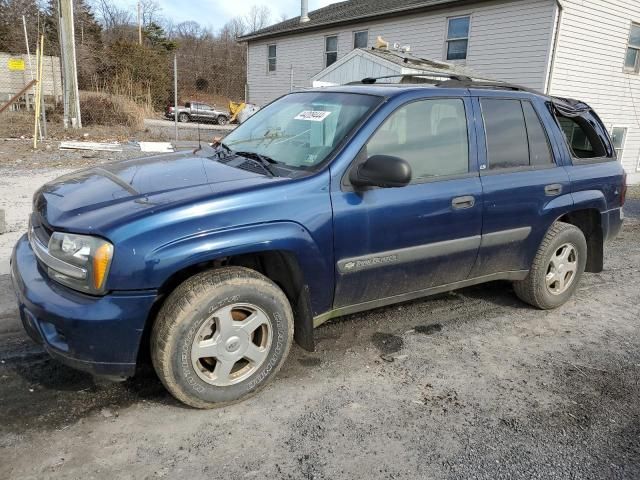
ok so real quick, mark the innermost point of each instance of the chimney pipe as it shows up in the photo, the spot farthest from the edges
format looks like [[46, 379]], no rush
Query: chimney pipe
[[304, 11]]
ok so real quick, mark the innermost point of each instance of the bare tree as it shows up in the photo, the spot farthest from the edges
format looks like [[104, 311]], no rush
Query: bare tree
[[189, 29], [110, 15], [150, 12], [257, 18], [233, 29]]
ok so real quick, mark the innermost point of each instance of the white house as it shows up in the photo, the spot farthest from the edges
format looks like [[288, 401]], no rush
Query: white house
[[585, 49]]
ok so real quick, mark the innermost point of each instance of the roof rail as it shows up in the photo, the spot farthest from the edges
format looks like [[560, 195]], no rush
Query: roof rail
[[422, 73], [485, 84]]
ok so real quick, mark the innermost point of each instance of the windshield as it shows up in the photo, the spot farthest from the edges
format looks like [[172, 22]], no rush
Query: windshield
[[302, 129]]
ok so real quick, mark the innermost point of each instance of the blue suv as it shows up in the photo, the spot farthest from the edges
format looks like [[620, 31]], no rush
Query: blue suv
[[325, 203]]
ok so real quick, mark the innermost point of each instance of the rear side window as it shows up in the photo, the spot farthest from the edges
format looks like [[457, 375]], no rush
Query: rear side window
[[515, 136], [539, 149], [585, 137], [431, 135]]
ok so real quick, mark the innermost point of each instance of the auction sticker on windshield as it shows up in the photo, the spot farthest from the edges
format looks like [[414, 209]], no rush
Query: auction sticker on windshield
[[312, 115]]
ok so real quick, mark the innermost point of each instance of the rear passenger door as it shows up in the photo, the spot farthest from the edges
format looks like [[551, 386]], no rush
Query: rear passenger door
[[524, 189]]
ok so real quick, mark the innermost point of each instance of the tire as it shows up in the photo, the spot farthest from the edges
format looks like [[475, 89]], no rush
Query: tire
[[222, 120], [215, 311], [184, 118], [553, 278]]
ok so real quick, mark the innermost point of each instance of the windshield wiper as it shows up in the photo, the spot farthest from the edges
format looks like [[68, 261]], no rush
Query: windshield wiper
[[262, 160]]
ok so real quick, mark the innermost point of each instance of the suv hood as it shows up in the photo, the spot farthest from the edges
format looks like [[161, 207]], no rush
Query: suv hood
[[91, 200]]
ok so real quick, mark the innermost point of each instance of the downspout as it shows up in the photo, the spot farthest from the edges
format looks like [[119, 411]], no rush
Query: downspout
[[246, 76], [555, 46]]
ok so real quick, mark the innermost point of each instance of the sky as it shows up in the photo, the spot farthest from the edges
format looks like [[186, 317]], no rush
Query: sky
[[215, 13]]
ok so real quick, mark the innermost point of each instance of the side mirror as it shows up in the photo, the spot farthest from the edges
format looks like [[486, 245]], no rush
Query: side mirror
[[381, 171]]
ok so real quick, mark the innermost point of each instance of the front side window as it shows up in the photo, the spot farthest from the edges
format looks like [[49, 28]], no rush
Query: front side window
[[457, 37], [330, 50], [361, 39], [515, 136], [271, 58], [618, 136], [431, 135], [301, 130], [632, 58]]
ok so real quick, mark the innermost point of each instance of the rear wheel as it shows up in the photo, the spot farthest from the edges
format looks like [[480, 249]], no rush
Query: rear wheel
[[221, 336], [183, 117], [222, 120], [556, 269]]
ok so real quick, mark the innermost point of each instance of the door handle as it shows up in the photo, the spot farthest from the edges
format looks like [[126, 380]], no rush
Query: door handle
[[466, 201], [553, 190]]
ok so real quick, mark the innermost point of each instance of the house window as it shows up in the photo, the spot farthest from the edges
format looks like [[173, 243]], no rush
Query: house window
[[361, 39], [632, 59], [458, 37], [618, 136], [330, 50], [271, 58]]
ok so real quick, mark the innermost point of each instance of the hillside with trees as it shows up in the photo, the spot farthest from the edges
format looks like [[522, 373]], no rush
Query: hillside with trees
[[211, 64]]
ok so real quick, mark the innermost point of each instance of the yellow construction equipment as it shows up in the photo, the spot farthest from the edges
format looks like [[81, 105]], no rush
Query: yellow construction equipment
[[234, 109]]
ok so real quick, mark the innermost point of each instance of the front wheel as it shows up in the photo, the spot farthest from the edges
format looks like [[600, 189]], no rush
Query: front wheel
[[222, 120], [221, 336], [183, 118], [556, 269]]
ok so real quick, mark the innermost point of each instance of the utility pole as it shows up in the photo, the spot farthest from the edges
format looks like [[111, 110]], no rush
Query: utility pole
[[139, 23], [71, 97]]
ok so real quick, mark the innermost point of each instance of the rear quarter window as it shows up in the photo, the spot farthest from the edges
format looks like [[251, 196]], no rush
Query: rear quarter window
[[586, 137]]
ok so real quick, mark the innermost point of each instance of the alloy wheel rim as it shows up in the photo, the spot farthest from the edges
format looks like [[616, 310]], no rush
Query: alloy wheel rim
[[562, 269], [231, 344]]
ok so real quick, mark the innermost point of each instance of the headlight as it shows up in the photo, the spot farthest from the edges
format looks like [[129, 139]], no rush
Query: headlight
[[90, 254]]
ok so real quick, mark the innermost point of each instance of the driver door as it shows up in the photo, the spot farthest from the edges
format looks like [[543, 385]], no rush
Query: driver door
[[400, 241]]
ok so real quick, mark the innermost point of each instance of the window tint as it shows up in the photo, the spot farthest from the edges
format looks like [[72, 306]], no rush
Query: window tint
[[361, 39], [457, 37], [539, 149], [431, 135], [507, 144]]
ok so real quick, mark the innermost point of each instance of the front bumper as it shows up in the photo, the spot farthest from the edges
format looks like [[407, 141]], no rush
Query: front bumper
[[100, 335]]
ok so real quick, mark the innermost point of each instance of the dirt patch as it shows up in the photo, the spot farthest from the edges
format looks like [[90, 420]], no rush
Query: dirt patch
[[387, 343], [428, 329]]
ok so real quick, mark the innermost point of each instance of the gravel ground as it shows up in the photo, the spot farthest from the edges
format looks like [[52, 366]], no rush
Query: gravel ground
[[471, 384]]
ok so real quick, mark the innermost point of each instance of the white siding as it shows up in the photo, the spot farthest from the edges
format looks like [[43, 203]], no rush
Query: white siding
[[509, 40], [589, 65]]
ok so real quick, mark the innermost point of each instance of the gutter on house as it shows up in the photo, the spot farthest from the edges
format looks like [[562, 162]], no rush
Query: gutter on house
[[555, 46]]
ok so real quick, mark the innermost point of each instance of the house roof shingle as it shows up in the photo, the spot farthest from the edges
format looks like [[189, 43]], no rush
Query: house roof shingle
[[344, 12]]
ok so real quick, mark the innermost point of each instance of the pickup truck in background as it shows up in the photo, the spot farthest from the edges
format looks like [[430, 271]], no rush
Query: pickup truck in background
[[198, 112]]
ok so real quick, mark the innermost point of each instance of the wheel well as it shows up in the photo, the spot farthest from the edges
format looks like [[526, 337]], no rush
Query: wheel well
[[589, 221], [280, 266]]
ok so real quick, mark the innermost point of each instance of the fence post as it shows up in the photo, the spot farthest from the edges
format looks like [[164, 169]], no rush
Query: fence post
[[175, 94]]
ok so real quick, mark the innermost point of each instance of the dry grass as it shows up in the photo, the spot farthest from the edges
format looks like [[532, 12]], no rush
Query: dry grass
[[111, 110], [104, 117], [16, 124]]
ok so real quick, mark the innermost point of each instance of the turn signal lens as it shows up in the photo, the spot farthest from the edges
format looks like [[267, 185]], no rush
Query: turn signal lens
[[101, 261]]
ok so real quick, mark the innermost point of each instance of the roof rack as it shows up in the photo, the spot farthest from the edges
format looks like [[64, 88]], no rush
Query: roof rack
[[422, 73], [486, 84]]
